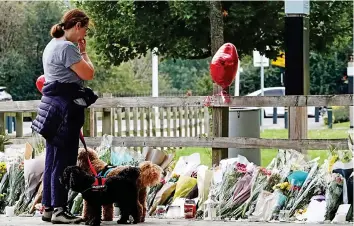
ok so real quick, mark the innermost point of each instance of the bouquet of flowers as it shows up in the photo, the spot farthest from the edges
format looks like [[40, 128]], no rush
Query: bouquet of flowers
[[259, 181], [3, 169], [286, 194], [230, 178], [333, 193], [2, 202], [152, 193], [16, 181], [224, 196], [313, 185], [241, 193]]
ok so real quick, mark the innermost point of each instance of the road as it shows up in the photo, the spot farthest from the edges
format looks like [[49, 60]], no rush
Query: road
[[32, 221]]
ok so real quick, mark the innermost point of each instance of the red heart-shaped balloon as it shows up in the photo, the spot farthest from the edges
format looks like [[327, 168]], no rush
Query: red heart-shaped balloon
[[40, 83], [223, 66]]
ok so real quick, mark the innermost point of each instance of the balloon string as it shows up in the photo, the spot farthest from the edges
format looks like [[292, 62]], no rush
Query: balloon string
[[224, 94]]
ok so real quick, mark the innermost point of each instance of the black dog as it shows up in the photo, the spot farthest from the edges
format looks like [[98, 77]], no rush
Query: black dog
[[120, 189]]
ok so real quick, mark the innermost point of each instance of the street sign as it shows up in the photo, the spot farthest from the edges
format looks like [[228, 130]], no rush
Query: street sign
[[280, 61], [297, 7], [259, 60]]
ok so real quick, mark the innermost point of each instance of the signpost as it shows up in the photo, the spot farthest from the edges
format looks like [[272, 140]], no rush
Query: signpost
[[260, 61], [297, 79], [237, 79], [155, 78]]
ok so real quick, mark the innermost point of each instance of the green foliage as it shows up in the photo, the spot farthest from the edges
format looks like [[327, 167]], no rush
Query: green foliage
[[4, 140], [188, 74], [21, 62], [328, 69], [132, 77], [181, 29], [339, 114]]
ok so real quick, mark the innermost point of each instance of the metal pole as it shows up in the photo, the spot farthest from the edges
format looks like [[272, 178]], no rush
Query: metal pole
[[275, 115], [155, 79], [330, 114], [285, 117], [317, 114], [155, 71], [237, 80]]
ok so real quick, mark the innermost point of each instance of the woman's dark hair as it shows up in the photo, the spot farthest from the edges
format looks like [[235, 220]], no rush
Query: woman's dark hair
[[68, 21]]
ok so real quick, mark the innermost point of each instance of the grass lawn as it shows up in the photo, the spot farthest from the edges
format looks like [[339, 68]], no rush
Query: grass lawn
[[339, 130]]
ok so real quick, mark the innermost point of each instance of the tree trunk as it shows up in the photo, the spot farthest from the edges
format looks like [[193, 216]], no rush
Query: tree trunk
[[220, 127], [216, 26]]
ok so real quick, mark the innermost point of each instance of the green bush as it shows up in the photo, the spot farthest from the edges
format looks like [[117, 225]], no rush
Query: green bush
[[339, 114]]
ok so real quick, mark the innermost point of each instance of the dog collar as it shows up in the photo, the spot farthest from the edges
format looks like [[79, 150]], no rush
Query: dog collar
[[107, 169]]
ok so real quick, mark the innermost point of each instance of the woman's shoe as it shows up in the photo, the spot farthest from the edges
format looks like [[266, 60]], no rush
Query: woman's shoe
[[62, 216], [47, 214]]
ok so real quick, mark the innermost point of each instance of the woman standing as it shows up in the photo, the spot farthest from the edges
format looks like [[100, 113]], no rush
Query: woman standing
[[61, 111]]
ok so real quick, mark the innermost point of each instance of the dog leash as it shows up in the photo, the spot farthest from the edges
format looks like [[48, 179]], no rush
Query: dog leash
[[88, 157]]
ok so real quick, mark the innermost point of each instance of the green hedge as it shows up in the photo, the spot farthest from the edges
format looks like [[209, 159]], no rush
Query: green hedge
[[340, 114]]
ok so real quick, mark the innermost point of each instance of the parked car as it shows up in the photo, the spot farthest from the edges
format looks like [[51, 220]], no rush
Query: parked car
[[4, 96], [277, 91]]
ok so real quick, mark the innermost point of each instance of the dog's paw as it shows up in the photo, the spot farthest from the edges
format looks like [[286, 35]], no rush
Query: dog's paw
[[122, 221], [93, 222], [96, 223], [142, 219]]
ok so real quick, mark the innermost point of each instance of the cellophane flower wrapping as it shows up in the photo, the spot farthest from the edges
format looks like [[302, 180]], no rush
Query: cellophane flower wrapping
[[240, 194], [313, 185], [233, 173], [105, 149], [121, 156], [259, 182], [333, 195], [16, 181]]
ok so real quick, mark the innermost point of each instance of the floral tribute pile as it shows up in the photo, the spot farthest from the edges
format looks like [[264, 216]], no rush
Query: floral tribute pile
[[290, 188]]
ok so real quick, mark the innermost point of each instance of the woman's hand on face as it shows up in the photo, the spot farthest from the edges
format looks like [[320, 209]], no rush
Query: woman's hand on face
[[82, 45]]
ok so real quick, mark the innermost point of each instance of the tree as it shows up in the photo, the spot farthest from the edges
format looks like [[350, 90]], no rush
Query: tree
[[129, 78], [21, 57], [11, 20], [181, 29], [185, 74]]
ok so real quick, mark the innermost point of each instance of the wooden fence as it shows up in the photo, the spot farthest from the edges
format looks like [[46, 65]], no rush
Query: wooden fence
[[149, 121], [129, 121], [187, 114]]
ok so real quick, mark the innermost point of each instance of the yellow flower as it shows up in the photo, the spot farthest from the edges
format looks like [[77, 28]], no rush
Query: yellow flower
[[332, 160]]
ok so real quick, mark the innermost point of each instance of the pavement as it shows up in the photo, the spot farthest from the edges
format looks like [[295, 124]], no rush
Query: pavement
[[31, 221]]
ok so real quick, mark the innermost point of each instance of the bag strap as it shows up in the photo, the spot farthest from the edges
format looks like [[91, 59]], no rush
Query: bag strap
[[88, 158]]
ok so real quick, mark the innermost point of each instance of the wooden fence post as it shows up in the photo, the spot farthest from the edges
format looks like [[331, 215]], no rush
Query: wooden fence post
[[19, 124], [86, 127], [2, 123], [106, 118], [220, 115]]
